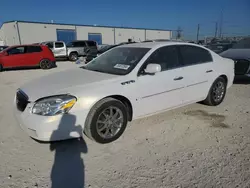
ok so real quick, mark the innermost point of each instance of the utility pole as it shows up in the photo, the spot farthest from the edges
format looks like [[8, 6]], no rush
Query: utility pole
[[198, 32], [179, 34], [216, 29]]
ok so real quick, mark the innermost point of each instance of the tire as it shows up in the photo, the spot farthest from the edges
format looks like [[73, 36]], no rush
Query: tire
[[98, 115], [73, 56], [215, 96], [1, 68], [45, 64]]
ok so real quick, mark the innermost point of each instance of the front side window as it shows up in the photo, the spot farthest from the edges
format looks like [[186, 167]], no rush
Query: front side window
[[59, 45], [16, 50], [118, 61], [193, 55], [32, 49], [167, 57]]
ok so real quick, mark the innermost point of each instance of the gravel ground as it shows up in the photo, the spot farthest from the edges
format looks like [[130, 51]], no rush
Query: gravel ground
[[194, 146]]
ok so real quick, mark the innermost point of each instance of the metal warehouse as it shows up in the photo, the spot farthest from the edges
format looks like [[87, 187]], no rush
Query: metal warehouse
[[23, 32]]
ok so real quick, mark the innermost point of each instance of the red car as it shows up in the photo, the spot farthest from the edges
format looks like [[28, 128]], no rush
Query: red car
[[27, 56]]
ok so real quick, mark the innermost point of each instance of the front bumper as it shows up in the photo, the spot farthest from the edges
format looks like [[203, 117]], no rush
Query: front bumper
[[49, 128]]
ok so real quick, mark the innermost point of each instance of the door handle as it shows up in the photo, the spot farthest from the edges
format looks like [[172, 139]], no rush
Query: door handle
[[209, 71], [178, 78]]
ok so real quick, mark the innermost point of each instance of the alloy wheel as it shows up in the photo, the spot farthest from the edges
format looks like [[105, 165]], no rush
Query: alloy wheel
[[109, 122], [218, 91]]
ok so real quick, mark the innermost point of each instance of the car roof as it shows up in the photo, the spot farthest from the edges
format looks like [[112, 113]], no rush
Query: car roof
[[14, 46], [157, 44]]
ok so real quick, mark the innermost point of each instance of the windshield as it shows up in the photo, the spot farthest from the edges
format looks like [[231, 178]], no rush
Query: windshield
[[118, 61]]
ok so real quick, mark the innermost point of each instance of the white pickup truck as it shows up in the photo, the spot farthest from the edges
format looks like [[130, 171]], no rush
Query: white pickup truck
[[72, 50]]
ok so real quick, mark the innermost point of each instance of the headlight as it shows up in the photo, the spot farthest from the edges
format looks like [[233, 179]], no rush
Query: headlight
[[54, 105]]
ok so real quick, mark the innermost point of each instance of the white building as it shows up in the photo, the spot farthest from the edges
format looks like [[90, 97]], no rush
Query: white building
[[23, 32]]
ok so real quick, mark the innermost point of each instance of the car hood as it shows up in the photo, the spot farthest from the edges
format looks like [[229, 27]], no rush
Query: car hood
[[236, 54], [61, 82]]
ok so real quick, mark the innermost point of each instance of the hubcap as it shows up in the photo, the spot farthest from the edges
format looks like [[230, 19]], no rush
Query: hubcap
[[218, 91], [109, 122], [45, 64]]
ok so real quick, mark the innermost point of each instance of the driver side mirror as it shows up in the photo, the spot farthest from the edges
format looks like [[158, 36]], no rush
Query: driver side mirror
[[152, 69]]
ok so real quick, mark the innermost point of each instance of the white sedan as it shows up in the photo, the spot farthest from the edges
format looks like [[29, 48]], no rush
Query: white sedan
[[126, 83]]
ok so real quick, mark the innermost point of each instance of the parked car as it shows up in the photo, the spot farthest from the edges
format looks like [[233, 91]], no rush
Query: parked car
[[240, 54], [27, 56], [57, 47], [220, 47], [79, 48], [3, 47], [93, 54], [101, 46], [125, 83]]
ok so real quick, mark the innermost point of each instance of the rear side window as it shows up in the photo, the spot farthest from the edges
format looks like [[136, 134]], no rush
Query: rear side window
[[59, 45], [77, 44], [91, 43], [32, 49], [193, 55]]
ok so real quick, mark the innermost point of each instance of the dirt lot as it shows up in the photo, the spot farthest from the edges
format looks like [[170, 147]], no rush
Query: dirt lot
[[195, 146]]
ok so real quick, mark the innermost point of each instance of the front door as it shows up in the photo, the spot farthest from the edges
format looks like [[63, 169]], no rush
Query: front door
[[60, 49], [197, 71], [163, 90], [15, 57]]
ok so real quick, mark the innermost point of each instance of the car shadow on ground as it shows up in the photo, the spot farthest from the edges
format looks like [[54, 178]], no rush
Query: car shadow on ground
[[24, 68], [241, 80], [68, 169]]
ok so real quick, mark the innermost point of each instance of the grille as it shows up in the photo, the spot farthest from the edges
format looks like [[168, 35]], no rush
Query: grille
[[241, 66], [21, 100]]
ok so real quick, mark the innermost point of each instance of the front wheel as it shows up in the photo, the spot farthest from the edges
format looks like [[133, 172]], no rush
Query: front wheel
[[217, 92], [1, 68], [106, 121]]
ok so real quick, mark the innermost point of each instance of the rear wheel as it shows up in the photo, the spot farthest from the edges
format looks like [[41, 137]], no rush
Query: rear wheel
[[73, 56], [45, 64], [217, 92], [1, 68], [106, 121]]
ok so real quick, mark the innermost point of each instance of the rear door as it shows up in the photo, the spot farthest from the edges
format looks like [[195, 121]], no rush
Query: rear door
[[33, 55], [198, 72], [15, 57], [60, 49]]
